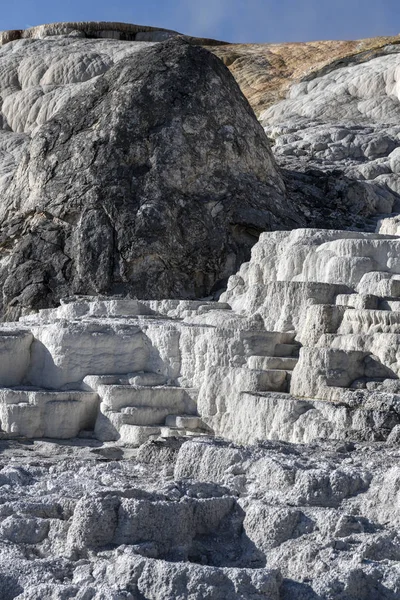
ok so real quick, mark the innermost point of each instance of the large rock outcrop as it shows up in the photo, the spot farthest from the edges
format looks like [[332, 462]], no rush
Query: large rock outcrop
[[153, 150], [337, 135], [141, 173]]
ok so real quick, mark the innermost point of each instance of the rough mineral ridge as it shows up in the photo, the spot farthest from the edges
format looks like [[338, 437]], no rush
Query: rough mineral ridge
[[162, 445]]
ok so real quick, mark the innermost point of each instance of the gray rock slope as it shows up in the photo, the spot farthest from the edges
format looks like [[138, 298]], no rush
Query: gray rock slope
[[279, 522], [127, 172], [132, 167], [337, 137]]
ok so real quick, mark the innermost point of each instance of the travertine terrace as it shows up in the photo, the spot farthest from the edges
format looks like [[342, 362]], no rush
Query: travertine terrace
[[181, 419]]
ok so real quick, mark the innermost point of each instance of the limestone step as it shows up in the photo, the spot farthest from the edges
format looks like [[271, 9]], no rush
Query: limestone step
[[267, 395], [202, 309], [358, 301], [145, 415], [258, 380], [92, 382], [284, 350], [286, 363], [184, 422], [40, 397], [265, 343], [176, 399], [136, 435], [271, 416], [213, 306], [144, 379], [139, 378], [36, 413], [380, 283], [167, 432], [367, 321], [198, 433], [117, 307], [278, 380], [81, 308], [178, 309], [388, 224]]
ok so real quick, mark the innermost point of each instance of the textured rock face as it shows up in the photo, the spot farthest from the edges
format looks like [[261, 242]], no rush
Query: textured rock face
[[372, 94], [337, 134], [93, 151], [265, 72], [331, 109], [291, 270], [128, 370], [337, 292], [147, 175], [113, 149], [279, 521]]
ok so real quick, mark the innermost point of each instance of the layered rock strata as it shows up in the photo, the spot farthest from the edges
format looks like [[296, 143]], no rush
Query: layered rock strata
[[345, 382], [308, 351], [127, 369]]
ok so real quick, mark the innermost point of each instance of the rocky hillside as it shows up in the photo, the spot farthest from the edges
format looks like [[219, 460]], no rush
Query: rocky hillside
[[132, 164], [155, 445], [128, 167], [265, 72], [331, 110]]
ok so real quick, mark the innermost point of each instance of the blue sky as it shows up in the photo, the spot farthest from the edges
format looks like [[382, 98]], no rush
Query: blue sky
[[231, 20]]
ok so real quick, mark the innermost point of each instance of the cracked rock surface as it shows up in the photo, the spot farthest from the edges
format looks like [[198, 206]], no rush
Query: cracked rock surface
[[128, 167], [336, 136], [86, 520]]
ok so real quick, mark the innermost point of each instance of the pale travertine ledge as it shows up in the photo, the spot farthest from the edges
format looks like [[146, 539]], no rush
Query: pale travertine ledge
[[311, 321], [90, 29], [100, 29]]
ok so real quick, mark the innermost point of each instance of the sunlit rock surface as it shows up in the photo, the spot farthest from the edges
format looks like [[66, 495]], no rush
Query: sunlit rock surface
[[127, 167], [164, 448], [99, 521]]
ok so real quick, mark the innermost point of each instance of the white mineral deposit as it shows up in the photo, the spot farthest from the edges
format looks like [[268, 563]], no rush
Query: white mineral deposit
[[200, 337]]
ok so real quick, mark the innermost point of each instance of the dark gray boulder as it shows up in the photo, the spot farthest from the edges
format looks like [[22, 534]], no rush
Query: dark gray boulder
[[153, 180]]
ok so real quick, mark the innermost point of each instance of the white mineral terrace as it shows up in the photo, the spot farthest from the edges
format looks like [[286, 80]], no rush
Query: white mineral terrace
[[304, 344], [240, 449]]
